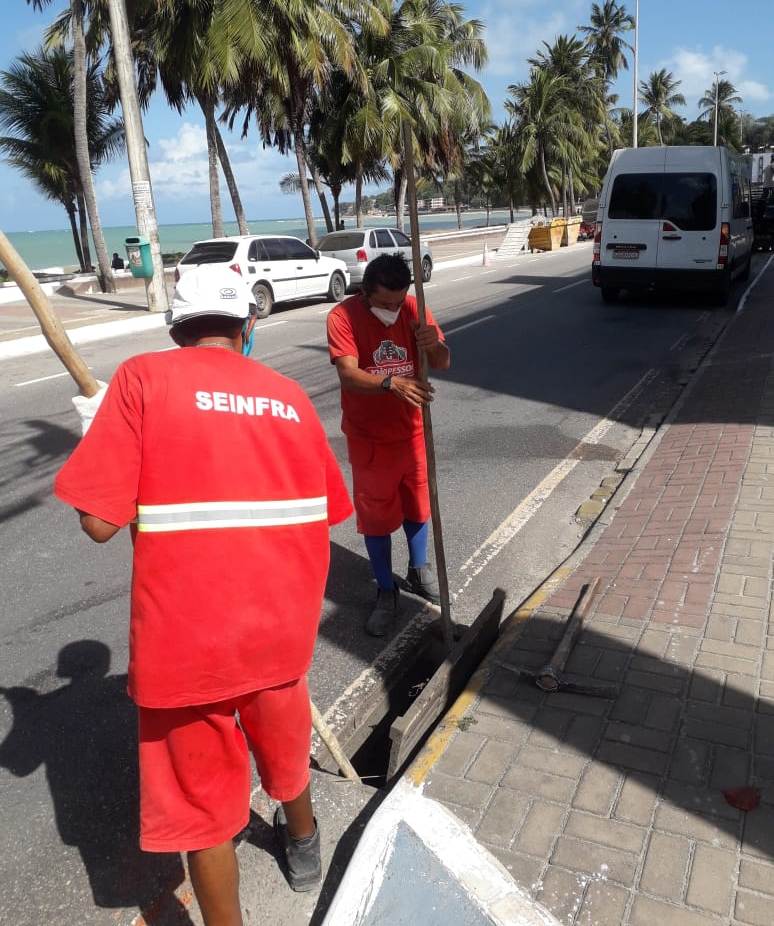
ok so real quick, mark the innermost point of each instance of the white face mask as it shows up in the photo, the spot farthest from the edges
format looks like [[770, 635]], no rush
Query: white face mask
[[386, 317]]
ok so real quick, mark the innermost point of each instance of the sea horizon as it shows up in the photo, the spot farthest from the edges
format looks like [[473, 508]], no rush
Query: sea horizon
[[45, 249]]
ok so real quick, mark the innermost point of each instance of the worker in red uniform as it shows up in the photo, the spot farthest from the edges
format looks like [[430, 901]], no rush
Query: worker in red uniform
[[374, 340], [223, 470]]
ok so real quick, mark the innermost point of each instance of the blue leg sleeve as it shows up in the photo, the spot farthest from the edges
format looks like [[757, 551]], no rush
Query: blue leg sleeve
[[380, 553], [417, 535]]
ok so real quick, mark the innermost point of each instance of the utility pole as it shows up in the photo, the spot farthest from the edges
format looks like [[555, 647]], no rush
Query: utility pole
[[718, 75], [142, 192], [635, 104]]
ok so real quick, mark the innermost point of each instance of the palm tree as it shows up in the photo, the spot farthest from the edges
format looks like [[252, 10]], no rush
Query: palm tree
[[727, 95], [36, 109], [542, 119], [604, 32], [659, 94], [79, 92]]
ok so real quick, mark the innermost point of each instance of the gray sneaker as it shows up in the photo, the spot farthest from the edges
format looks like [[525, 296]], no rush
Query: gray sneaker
[[384, 614], [302, 856], [421, 581]]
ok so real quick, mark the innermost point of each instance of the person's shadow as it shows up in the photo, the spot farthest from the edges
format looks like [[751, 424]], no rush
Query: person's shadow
[[85, 734]]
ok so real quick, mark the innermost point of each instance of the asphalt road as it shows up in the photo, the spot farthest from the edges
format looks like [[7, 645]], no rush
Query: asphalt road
[[548, 389]]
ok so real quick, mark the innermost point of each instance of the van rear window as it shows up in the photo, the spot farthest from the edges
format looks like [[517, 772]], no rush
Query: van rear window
[[210, 252], [690, 201], [341, 241]]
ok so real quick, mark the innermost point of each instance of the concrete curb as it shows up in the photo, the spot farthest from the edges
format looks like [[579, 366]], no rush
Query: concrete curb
[[410, 833]]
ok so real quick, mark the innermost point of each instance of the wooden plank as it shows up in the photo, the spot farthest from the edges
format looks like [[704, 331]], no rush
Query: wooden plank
[[447, 682]]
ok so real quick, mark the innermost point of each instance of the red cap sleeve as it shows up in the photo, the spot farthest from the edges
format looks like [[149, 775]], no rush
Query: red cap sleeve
[[102, 475], [341, 339]]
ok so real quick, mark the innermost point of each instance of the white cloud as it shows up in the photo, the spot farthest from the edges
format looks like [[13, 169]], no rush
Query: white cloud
[[516, 29], [695, 67], [179, 168]]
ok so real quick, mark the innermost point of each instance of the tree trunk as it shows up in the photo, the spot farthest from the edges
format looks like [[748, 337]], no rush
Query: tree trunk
[[84, 232], [401, 207], [216, 207], [658, 129], [546, 181], [318, 185], [573, 205], [80, 124], [233, 189], [76, 240], [299, 145], [457, 205], [510, 204], [488, 207], [359, 197], [336, 193], [564, 189]]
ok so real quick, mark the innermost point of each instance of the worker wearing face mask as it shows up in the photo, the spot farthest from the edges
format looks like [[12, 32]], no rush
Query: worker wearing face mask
[[374, 340]]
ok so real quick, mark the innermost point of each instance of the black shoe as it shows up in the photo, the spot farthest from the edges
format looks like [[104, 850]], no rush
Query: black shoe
[[384, 614], [302, 856], [421, 581]]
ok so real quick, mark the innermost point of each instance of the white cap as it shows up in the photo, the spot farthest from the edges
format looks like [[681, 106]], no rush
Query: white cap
[[209, 290]]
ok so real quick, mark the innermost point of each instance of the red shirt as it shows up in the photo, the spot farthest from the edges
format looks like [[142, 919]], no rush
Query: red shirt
[[227, 469], [354, 331]]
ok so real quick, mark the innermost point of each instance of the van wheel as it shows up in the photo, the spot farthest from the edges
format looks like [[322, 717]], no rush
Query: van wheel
[[337, 287], [610, 294], [427, 269], [264, 300]]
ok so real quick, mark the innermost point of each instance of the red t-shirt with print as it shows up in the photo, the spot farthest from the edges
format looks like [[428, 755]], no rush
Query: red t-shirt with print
[[354, 331], [226, 468]]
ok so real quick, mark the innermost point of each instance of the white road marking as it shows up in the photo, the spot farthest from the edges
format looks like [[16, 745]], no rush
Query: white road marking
[[458, 279], [271, 325], [571, 286], [478, 321], [681, 341], [323, 311], [502, 535], [41, 379], [14, 330], [751, 287]]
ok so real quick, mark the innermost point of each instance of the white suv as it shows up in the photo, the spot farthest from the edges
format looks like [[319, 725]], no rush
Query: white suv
[[275, 268]]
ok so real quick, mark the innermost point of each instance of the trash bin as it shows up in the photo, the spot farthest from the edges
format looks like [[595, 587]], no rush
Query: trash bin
[[139, 254]]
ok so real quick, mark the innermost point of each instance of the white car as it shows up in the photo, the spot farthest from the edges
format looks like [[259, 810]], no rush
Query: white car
[[276, 268], [357, 247]]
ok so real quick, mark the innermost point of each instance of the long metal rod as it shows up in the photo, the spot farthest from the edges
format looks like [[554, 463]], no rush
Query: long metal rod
[[635, 103], [50, 325], [549, 677], [435, 507]]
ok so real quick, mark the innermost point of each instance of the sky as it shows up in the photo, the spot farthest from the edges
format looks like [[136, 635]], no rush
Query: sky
[[692, 38]]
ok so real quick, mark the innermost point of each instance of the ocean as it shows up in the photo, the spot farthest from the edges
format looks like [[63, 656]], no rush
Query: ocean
[[47, 249]]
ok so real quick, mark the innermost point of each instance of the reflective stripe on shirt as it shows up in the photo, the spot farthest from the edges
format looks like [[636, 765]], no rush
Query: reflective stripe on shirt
[[209, 515]]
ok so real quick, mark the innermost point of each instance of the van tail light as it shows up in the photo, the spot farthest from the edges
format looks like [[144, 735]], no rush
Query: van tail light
[[596, 260], [236, 268], [177, 275], [725, 238], [362, 256]]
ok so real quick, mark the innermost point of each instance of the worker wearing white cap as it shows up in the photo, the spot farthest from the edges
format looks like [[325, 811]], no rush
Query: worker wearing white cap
[[223, 469]]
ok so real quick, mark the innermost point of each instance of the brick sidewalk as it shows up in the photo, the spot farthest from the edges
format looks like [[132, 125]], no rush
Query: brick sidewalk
[[612, 812]]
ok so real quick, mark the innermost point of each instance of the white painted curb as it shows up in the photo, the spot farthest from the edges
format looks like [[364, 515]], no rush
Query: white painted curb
[[487, 883], [37, 344]]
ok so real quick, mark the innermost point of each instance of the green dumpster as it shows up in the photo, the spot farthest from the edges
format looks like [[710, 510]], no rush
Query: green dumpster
[[139, 254]]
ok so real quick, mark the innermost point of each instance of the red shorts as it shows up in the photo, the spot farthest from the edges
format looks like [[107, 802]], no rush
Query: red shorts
[[195, 764], [390, 484]]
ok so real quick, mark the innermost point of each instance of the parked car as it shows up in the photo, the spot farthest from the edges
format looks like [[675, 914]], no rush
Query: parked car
[[358, 246], [763, 218], [673, 218], [275, 268]]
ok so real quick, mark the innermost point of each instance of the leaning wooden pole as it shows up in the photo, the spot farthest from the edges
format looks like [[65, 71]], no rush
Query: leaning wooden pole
[[52, 328], [435, 508]]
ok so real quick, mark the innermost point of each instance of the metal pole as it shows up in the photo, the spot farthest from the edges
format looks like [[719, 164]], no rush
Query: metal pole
[[435, 508], [635, 105], [142, 192]]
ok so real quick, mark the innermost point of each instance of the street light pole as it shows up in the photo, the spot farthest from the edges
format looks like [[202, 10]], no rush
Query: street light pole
[[139, 171], [635, 107]]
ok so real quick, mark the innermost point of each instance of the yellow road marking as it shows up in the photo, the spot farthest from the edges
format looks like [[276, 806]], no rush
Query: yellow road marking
[[439, 741]]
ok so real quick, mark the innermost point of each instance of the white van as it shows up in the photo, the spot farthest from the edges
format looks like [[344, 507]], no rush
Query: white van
[[673, 218]]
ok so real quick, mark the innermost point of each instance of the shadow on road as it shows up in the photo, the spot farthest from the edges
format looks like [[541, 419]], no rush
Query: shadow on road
[[84, 734]]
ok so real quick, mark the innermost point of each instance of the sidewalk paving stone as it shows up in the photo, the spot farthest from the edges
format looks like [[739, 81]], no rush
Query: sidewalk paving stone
[[612, 811]]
